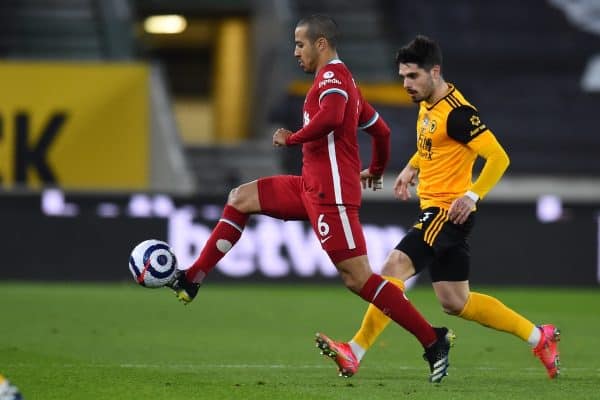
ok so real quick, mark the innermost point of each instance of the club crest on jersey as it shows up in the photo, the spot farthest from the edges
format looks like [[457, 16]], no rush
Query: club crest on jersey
[[432, 126], [328, 75]]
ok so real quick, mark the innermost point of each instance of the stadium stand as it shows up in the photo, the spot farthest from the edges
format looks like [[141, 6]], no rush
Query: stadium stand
[[366, 47], [522, 72], [99, 32], [65, 29]]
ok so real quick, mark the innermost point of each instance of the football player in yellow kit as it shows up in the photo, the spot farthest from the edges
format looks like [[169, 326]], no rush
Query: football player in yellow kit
[[450, 136]]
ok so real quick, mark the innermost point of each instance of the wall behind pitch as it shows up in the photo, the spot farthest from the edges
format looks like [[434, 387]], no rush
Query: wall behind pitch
[[54, 236], [75, 125]]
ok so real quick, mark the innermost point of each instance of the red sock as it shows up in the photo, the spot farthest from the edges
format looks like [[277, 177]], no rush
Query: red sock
[[225, 234], [393, 303]]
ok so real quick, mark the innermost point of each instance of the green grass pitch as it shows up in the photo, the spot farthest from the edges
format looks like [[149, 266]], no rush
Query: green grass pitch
[[119, 341]]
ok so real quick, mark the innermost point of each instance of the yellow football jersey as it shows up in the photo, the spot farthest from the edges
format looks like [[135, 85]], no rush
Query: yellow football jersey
[[445, 160]]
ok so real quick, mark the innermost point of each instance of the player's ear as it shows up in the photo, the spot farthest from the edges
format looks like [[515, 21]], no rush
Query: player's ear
[[321, 43], [436, 72]]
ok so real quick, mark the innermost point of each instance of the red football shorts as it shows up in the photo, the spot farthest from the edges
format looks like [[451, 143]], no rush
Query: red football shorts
[[337, 227]]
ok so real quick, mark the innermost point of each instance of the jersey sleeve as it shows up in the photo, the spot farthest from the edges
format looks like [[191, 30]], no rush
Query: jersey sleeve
[[332, 93], [371, 122], [496, 162], [331, 81], [464, 124], [329, 117], [415, 160], [368, 116]]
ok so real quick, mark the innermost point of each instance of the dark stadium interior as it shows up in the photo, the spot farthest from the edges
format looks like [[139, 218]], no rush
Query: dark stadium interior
[[521, 62]]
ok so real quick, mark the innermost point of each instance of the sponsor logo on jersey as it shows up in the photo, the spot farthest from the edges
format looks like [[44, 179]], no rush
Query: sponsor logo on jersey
[[306, 118], [478, 126], [328, 75], [425, 216], [424, 145], [332, 81], [323, 240]]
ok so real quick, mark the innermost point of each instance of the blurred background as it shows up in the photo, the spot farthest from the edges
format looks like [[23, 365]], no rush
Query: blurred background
[[123, 120]]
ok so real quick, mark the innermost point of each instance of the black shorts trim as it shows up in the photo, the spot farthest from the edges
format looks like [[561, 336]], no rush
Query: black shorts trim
[[439, 245]]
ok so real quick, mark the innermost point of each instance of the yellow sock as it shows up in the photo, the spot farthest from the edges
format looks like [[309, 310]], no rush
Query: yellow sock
[[491, 312], [374, 321]]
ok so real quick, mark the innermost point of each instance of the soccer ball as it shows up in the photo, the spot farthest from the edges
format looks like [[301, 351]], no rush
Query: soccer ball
[[8, 391], [152, 263]]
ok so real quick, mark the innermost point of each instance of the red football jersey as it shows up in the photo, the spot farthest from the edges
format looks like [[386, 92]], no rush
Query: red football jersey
[[331, 163]]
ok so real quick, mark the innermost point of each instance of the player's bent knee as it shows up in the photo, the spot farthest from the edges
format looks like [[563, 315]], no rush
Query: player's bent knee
[[354, 272], [244, 198], [353, 284], [452, 307], [236, 200], [398, 265], [353, 281]]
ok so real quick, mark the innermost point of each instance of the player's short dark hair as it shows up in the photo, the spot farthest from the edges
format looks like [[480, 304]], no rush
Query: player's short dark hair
[[320, 26], [422, 51]]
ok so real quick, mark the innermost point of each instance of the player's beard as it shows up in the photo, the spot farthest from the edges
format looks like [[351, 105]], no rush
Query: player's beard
[[427, 92], [416, 97]]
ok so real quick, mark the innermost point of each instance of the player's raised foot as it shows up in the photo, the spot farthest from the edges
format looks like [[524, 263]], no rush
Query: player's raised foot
[[340, 353], [547, 349], [183, 288], [437, 354]]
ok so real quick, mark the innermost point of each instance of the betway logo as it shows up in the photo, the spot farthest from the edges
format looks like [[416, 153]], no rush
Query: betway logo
[[271, 247], [332, 81]]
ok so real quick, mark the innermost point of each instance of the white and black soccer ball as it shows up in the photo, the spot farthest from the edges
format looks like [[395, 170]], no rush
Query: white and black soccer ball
[[152, 263], [8, 391]]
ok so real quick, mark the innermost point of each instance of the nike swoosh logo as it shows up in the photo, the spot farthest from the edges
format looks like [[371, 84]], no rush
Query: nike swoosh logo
[[325, 239]]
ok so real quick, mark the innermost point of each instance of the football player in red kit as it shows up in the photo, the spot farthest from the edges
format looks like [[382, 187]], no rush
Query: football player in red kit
[[327, 194]]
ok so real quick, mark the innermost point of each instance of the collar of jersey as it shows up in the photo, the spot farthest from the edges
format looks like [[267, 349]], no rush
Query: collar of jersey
[[451, 89]]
